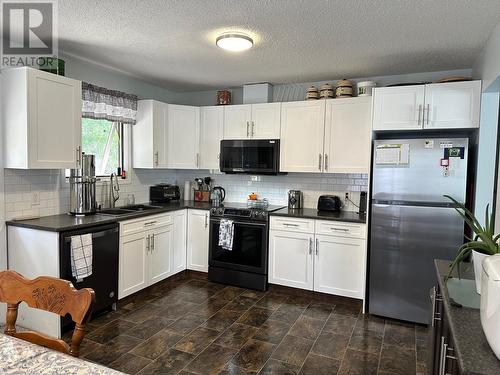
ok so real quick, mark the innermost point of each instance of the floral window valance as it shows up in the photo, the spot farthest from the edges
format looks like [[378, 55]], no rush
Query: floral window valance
[[102, 103]]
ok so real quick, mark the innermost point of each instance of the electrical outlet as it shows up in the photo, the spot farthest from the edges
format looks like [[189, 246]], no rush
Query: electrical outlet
[[35, 198], [346, 196], [255, 178]]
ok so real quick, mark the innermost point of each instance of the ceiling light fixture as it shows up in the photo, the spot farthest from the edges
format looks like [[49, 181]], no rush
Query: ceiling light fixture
[[234, 42]]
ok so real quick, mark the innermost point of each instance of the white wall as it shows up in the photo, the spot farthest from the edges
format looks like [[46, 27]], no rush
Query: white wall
[[110, 78], [487, 66], [487, 152]]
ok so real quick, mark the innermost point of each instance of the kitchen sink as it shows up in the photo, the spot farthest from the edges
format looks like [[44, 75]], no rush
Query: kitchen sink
[[140, 207]]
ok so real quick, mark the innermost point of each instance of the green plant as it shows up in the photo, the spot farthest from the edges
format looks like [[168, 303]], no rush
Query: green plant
[[484, 239]]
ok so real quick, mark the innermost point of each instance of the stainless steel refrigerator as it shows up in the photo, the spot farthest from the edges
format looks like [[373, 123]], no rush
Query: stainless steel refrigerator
[[411, 222]]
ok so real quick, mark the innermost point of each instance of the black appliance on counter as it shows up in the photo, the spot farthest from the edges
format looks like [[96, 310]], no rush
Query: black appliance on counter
[[251, 156], [104, 278], [246, 264], [164, 193], [329, 203]]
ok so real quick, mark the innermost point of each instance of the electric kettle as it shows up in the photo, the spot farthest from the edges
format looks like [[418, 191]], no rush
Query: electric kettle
[[218, 195]]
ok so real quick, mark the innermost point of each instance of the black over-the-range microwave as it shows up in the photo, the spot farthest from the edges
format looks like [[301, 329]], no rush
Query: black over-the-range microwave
[[250, 156]]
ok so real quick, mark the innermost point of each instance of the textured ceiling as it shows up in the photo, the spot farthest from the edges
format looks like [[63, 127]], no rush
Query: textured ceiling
[[171, 43]]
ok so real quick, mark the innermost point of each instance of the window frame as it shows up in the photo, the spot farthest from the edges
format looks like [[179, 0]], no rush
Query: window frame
[[124, 132]]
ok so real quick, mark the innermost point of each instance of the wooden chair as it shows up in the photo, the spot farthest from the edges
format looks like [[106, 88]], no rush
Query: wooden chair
[[49, 294]]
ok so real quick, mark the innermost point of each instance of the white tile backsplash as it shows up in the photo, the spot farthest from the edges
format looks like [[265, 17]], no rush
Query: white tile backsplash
[[53, 190]]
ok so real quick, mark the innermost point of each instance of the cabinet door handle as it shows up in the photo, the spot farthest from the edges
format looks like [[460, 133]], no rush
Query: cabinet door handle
[[156, 158], [248, 125], [419, 114], [206, 220], [317, 247], [152, 242], [253, 128], [319, 162], [147, 243], [198, 160], [326, 162], [79, 156], [428, 112], [310, 246]]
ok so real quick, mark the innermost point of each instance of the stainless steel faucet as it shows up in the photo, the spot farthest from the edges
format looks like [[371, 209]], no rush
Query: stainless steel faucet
[[114, 189]]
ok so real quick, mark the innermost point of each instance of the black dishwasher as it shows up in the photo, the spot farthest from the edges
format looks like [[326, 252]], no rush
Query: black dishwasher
[[104, 278]]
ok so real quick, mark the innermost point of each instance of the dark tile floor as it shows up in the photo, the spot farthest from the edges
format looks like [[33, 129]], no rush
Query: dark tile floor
[[187, 325]]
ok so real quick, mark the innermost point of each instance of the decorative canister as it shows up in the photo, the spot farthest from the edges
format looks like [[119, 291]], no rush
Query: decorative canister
[[223, 97], [344, 89], [326, 91], [312, 93], [365, 88]]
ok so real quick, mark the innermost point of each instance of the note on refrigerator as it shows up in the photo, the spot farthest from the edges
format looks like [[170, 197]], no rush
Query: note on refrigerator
[[392, 154]]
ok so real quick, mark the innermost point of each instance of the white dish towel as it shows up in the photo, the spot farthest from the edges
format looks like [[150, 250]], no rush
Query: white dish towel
[[226, 234], [81, 256]]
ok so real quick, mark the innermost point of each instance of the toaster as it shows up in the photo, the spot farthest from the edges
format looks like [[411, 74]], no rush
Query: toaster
[[329, 203], [163, 193]]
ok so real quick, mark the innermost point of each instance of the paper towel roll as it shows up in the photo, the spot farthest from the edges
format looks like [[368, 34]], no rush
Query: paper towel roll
[[188, 192]]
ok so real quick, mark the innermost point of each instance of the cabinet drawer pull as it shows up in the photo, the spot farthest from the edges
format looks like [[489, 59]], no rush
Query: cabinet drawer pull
[[290, 225], [150, 223], [340, 229]]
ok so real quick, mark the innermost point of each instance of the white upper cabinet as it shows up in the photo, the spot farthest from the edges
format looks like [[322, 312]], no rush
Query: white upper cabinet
[[237, 120], [265, 121], [452, 105], [183, 137], [398, 108], [42, 118], [166, 136], [252, 121], [302, 135], [149, 135], [211, 133], [348, 135]]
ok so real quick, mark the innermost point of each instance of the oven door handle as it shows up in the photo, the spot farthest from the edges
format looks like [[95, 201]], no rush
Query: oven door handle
[[242, 223]]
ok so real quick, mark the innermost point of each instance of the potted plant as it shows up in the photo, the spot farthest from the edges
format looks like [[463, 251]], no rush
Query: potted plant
[[484, 242]]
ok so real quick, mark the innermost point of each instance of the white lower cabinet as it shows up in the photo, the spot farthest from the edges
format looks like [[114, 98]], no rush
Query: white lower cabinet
[[180, 238], [197, 240], [290, 260], [151, 249], [339, 266], [333, 264], [160, 253], [133, 264]]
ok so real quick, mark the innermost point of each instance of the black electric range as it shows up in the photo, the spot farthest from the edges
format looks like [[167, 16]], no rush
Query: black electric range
[[245, 264]]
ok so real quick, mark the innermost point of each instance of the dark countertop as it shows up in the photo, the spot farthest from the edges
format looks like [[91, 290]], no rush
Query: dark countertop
[[312, 213], [473, 351], [66, 222]]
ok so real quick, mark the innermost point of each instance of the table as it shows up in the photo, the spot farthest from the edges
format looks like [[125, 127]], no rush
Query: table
[[22, 357]]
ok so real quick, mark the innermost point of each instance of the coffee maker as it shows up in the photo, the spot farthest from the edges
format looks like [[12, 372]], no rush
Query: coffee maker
[[82, 181]]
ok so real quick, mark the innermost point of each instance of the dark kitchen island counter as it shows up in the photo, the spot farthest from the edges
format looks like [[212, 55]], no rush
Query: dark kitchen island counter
[[472, 351]]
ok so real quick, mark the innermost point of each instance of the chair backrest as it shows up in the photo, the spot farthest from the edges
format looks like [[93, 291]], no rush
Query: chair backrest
[[49, 294]]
